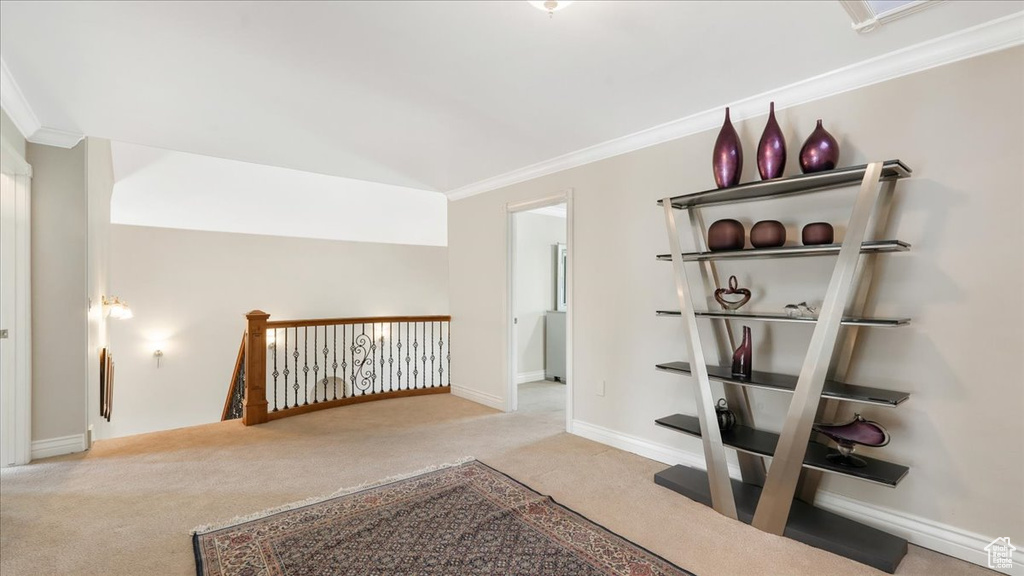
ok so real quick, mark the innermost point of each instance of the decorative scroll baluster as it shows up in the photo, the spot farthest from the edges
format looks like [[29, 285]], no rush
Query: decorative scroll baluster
[[400, 357], [415, 351], [305, 365], [373, 358], [391, 358], [449, 357], [440, 352], [432, 344], [424, 358], [344, 363], [316, 367], [334, 365]]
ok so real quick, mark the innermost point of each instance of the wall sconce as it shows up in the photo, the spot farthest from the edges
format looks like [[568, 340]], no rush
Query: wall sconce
[[158, 354], [114, 307]]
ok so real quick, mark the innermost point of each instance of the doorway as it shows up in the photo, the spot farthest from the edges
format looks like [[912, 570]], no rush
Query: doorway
[[540, 281], [15, 339]]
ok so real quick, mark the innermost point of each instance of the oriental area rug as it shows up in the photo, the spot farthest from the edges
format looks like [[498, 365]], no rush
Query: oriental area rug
[[462, 519]]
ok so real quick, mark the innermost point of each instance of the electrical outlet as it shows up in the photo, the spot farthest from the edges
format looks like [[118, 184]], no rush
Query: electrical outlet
[[600, 389]]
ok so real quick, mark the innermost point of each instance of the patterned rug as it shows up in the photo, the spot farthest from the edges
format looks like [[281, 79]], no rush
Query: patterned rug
[[465, 519]]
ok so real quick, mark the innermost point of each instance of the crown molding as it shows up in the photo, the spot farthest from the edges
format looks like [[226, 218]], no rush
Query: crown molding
[[982, 39], [25, 120]]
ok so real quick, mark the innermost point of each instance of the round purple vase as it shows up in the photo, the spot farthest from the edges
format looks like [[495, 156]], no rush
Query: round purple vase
[[820, 151], [727, 161], [771, 150]]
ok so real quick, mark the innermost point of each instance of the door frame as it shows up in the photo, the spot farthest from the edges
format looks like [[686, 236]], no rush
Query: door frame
[[511, 209], [17, 416]]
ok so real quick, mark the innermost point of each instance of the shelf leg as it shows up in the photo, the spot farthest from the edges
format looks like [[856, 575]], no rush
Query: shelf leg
[[752, 469], [777, 497], [722, 498], [863, 280]]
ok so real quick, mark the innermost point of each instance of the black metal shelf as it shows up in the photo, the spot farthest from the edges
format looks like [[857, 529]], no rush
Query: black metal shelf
[[764, 317], [763, 443], [872, 247], [786, 383], [807, 524], [792, 185]]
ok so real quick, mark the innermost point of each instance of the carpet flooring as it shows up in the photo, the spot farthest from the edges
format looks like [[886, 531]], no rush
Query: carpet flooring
[[126, 507]]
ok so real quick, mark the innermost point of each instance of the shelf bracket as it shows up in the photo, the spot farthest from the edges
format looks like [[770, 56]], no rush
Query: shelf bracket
[[722, 498], [752, 469], [777, 497]]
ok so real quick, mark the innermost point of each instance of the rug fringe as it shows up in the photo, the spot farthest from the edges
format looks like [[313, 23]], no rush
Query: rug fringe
[[203, 529]]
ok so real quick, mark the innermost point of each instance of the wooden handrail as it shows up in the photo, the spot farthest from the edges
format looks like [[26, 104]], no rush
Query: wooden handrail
[[366, 320], [234, 379]]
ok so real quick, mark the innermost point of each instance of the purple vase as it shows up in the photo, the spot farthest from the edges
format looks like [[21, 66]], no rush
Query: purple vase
[[820, 151], [771, 150], [727, 161], [741, 359]]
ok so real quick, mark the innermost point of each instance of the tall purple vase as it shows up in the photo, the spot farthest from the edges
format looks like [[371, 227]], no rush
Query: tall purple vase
[[820, 151], [727, 161], [741, 359], [771, 150]]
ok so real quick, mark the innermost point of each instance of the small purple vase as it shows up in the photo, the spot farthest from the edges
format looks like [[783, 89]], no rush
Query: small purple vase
[[727, 161], [820, 151], [771, 150], [741, 359]]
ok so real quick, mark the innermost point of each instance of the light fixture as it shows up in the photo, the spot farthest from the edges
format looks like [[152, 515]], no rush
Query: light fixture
[[158, 354], [549, 6], [114, 307]]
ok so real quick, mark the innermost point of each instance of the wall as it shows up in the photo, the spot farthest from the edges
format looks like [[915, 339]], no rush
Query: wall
[[190, 291], [959, 128], [59, 293], [536, 234], [11, 134], [100, 186]]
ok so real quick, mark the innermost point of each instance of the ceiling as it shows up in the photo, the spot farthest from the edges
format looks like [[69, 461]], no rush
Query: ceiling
[[156, 187], [428, 95]]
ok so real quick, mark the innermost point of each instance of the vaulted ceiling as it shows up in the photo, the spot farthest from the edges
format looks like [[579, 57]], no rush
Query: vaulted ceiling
[[429, 95]]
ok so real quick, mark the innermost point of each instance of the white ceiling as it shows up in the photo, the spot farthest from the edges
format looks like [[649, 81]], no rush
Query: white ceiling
[[156, 187], [428, 95]]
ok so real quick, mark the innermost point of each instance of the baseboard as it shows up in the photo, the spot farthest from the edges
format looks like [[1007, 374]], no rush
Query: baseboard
[[943, 538], [489, 400], [58, 446], [524, 377]]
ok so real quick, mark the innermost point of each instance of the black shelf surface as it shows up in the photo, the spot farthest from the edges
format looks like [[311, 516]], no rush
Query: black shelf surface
[[785, 383], [807, 524], [800, 184], [872, 247], [765, 317], [763, 443]]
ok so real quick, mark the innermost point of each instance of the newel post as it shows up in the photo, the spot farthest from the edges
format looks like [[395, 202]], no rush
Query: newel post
[[254, 405]]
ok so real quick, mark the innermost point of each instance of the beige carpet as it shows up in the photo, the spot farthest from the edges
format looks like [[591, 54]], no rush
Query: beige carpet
[[126, 506]]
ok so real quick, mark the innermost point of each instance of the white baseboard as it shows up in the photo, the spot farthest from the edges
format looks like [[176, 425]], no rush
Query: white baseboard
[[58, 446], [524, 377], [489, 400], [943, 538]]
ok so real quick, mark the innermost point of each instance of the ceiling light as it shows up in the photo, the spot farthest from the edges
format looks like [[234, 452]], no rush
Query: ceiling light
[[549, 6]]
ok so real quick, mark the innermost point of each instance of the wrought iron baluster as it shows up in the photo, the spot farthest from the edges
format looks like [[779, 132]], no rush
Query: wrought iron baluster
[[424, 358], [415, 351], [382, 357], [326, 351], [344, 363], [433, 343], [275, 373], [440, 352], [391, 358], [286, 372], [449, 357], [373, 358], [305, 365], [316, 367], [400, 357], [334, 365], [295, 357], [408, 370]]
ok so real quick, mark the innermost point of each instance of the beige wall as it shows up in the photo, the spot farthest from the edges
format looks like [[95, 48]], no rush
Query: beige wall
[[190, 291], [536, 235], [59, 294], [11, 134], [960, 128], [100, 185]]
